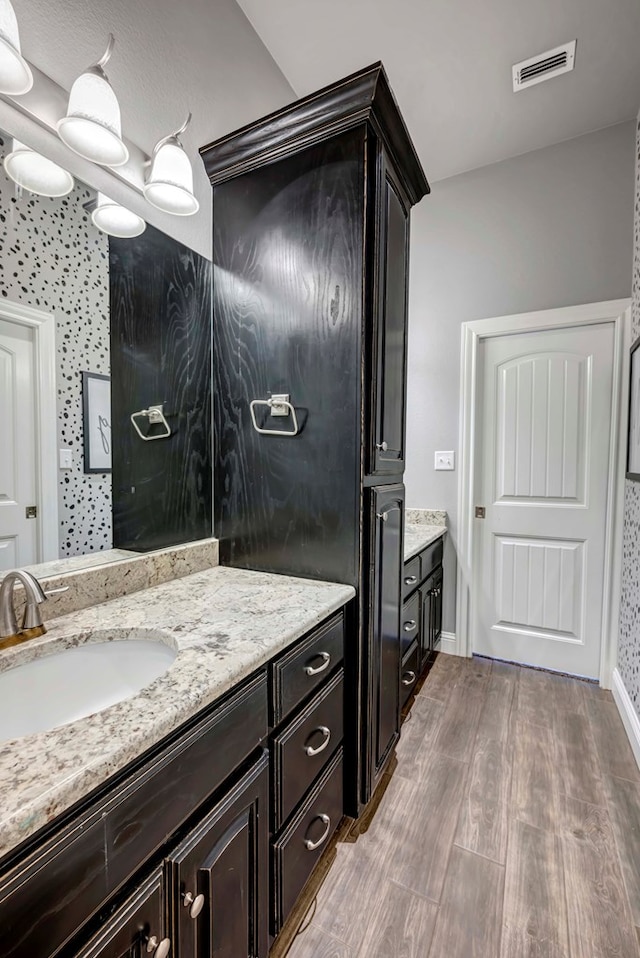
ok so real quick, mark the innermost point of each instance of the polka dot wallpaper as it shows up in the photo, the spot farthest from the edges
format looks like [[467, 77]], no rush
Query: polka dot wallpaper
[[629, 637], [54, 259]]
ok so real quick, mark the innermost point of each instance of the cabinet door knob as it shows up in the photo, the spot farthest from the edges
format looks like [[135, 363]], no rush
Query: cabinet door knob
[[197, 903], [409, 678], [160, 949], [382, 446], [310, 750], [409, 625], [311, 846], [411, 580], [326, 658], [382, 515]]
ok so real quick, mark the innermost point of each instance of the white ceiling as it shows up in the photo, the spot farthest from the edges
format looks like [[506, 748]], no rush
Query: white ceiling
[[449, 63]]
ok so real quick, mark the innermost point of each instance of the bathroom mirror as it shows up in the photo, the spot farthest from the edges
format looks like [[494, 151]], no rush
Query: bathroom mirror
[[59, 431]]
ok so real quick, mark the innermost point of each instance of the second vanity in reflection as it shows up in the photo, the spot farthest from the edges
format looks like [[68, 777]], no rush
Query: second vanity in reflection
[[152, 826]]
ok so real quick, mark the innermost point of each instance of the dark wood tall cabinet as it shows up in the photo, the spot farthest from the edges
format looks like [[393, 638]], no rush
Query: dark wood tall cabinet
[[311, 230]]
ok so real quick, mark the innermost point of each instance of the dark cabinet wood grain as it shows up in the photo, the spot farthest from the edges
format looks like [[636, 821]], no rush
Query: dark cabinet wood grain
[[160, 301], [224, 860], [287, 294]]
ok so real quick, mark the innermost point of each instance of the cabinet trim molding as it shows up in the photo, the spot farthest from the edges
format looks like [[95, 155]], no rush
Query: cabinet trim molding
[[363, 96]]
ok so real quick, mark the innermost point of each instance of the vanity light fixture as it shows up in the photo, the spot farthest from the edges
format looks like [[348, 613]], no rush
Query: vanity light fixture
[[169, 185], [36, 173], [92, 126], [15, 73], [114, 219]]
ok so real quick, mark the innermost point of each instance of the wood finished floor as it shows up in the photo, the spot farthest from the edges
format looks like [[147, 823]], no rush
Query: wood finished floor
[[511, 829]]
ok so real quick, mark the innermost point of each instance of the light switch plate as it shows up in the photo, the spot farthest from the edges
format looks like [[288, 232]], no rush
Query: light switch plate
[[445, 461], [65, 458]]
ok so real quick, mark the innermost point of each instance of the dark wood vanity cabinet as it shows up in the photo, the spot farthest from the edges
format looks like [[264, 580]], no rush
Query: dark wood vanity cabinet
[[201, 848], [421, 619], [310, 259]]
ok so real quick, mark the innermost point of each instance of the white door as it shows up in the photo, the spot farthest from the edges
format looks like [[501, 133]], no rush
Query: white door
[[18, 454], [543, 457]]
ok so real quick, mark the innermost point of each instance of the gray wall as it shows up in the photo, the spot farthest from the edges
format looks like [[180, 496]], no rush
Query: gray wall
[[629, 636], [549, 228]]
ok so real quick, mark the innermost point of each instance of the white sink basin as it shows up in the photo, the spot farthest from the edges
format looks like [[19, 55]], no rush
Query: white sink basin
[[64, 686]]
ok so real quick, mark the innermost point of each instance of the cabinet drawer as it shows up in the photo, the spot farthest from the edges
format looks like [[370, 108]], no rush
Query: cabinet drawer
[[77, 869], [302, 843], [431, 558], [410, 672], [410, 576], [297, 673], [303, 748], [410, 622]]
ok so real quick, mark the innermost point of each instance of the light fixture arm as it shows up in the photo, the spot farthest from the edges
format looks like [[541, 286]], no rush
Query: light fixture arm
[[173, 137], [99, 65]]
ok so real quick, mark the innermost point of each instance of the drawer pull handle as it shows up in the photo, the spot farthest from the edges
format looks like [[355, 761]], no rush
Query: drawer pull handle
[[160, 949], [326, 658], [311, 846], [197, 904], [411, 580], [310, 750], [410, 625], [408, 678]]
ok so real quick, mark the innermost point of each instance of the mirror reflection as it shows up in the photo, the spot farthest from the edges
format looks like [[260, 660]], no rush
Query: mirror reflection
[[55, 276], [59, 422]]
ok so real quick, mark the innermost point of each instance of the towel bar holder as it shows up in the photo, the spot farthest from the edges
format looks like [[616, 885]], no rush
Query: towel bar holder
[[279, 405], [155, 415]]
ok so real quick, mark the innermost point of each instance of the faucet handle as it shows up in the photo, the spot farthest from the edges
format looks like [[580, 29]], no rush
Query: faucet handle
[[35, 595]]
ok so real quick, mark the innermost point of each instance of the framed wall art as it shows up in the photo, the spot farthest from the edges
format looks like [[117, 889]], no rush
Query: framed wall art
[[633, 438], [96, 422]]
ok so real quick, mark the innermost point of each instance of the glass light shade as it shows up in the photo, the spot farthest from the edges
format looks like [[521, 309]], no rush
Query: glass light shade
[[116, 220], [37, 173], [15, 74], [169, 185], [92, 125]]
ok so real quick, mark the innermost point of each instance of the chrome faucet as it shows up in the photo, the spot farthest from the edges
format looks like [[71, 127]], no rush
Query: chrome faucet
[[32, 624]]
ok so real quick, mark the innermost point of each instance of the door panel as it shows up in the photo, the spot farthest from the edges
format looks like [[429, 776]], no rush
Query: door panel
[[541, 411], [134, 926], [18, 535], [225, 860], [388, 435], [543, 445], [387, 523]]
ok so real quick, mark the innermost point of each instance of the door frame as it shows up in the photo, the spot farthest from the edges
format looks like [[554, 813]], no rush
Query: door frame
[[44, 339], [618, 313]]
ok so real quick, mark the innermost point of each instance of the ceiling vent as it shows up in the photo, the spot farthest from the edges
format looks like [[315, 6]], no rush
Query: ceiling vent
[[544, 66]]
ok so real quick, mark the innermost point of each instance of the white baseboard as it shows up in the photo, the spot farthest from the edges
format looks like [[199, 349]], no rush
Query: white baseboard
[[628, 713], [448, 643]]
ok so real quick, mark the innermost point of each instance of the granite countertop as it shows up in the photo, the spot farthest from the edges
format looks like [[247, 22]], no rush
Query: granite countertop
[[224, 623], [417, 536]]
